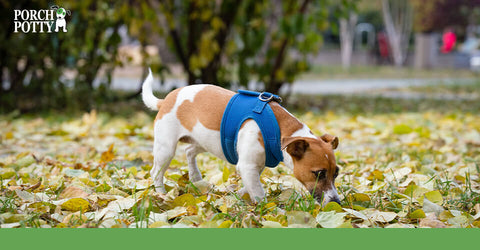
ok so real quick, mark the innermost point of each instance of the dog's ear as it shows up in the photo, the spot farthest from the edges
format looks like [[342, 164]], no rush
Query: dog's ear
[[54, 7], [296, 146], [333, 140]]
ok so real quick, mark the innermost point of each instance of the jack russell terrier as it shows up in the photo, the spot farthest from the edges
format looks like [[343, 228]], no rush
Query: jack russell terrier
[[195, 115]]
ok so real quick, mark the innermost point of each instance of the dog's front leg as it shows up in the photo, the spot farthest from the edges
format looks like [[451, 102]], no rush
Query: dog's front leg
[[250, 174]]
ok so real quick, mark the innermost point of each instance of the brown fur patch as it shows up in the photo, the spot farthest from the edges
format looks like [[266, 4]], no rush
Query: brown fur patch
[[287, 123], [207, 107], [166, 105], [260, 138]]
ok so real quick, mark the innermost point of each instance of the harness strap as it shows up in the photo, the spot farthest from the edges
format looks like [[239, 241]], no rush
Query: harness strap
[[251, 105]]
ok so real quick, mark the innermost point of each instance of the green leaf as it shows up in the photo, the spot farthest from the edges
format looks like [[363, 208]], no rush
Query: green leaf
[[332, 206], [417, 214], [401, 129]]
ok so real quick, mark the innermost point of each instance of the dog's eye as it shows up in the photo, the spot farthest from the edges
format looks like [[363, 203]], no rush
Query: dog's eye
[[320, 174], [336, 172]]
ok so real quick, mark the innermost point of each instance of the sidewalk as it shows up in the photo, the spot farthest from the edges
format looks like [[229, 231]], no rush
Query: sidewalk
[[383, 87]]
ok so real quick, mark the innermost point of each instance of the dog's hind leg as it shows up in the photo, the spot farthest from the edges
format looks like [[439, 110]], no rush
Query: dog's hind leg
[[164, 147], [193, 172]]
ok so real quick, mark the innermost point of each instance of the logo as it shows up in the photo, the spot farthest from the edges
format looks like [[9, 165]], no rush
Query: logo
[[41, 21]]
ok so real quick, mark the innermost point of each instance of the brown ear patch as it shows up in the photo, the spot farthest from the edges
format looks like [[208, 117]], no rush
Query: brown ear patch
[[333, 140], [296, 146]]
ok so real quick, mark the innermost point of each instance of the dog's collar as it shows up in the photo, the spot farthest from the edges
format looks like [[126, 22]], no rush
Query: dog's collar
[[251, 105]]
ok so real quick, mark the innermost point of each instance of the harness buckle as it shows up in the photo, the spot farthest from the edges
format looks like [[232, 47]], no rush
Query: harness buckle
[[266, 97]]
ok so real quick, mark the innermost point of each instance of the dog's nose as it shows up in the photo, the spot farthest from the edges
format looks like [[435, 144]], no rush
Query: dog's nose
[[336, 200], [326, 201]]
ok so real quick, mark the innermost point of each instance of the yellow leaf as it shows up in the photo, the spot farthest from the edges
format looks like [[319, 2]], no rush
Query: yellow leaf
[[445, 215], [9, 135], [226, 173], [184, 200], [76, 204], [270, 206], [107, 155], [192, 210], [435, 197], [476, 223], [332, 206], [226, 224], [417, 214], [361, 197], [224, 208]]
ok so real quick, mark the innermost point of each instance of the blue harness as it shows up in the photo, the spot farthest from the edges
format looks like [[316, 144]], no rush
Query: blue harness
[[251, 105]]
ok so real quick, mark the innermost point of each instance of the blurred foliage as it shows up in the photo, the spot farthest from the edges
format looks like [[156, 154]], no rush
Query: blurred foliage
[[436, 15], [220, 42], [35, 64], [226, 42]]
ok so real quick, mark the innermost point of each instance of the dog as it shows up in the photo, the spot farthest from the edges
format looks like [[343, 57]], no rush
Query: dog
[[60, 22], [193, 115]]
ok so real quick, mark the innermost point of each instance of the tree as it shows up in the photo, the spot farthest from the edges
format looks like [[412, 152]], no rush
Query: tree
[[397, 16], [216, 40], [348, 17]]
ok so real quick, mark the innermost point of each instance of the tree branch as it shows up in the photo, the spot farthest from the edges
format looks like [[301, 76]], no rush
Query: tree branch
[[273, 86]]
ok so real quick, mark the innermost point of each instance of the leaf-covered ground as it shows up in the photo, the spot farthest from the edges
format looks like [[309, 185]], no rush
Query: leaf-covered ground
[[400, 169]]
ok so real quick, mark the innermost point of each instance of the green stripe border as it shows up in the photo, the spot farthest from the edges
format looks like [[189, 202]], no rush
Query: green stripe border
[[239, 238]]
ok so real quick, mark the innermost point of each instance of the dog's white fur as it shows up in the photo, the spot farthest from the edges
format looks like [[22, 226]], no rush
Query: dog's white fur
[[168, 131]]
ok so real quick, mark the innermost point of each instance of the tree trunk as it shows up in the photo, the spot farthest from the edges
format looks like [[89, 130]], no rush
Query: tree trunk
[[426, 50], [397, 16], [347, 31]]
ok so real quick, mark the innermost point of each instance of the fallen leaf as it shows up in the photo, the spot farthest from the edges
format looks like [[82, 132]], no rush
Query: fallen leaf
[[332, 206], [431, 223], [417, 214], [429, 207], [330, 219], [108, 155], [73, 192], [304, 219], [383, 217], [76, 204], [184, 200], [361, 197], [271, 224]]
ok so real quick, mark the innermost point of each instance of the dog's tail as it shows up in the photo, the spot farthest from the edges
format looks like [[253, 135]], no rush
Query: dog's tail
[[147, 94]]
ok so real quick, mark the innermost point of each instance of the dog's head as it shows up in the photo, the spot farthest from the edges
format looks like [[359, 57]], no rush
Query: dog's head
[[314, 165], [60, 12]]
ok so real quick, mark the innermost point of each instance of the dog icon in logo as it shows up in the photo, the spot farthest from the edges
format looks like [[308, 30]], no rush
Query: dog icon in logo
[[60, 22]]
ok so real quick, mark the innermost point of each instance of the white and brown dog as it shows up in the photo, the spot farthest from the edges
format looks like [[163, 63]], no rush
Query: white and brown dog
[[193, 114]]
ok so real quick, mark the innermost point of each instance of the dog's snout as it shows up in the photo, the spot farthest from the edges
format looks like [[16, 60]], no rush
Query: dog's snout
[[337, 200]]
